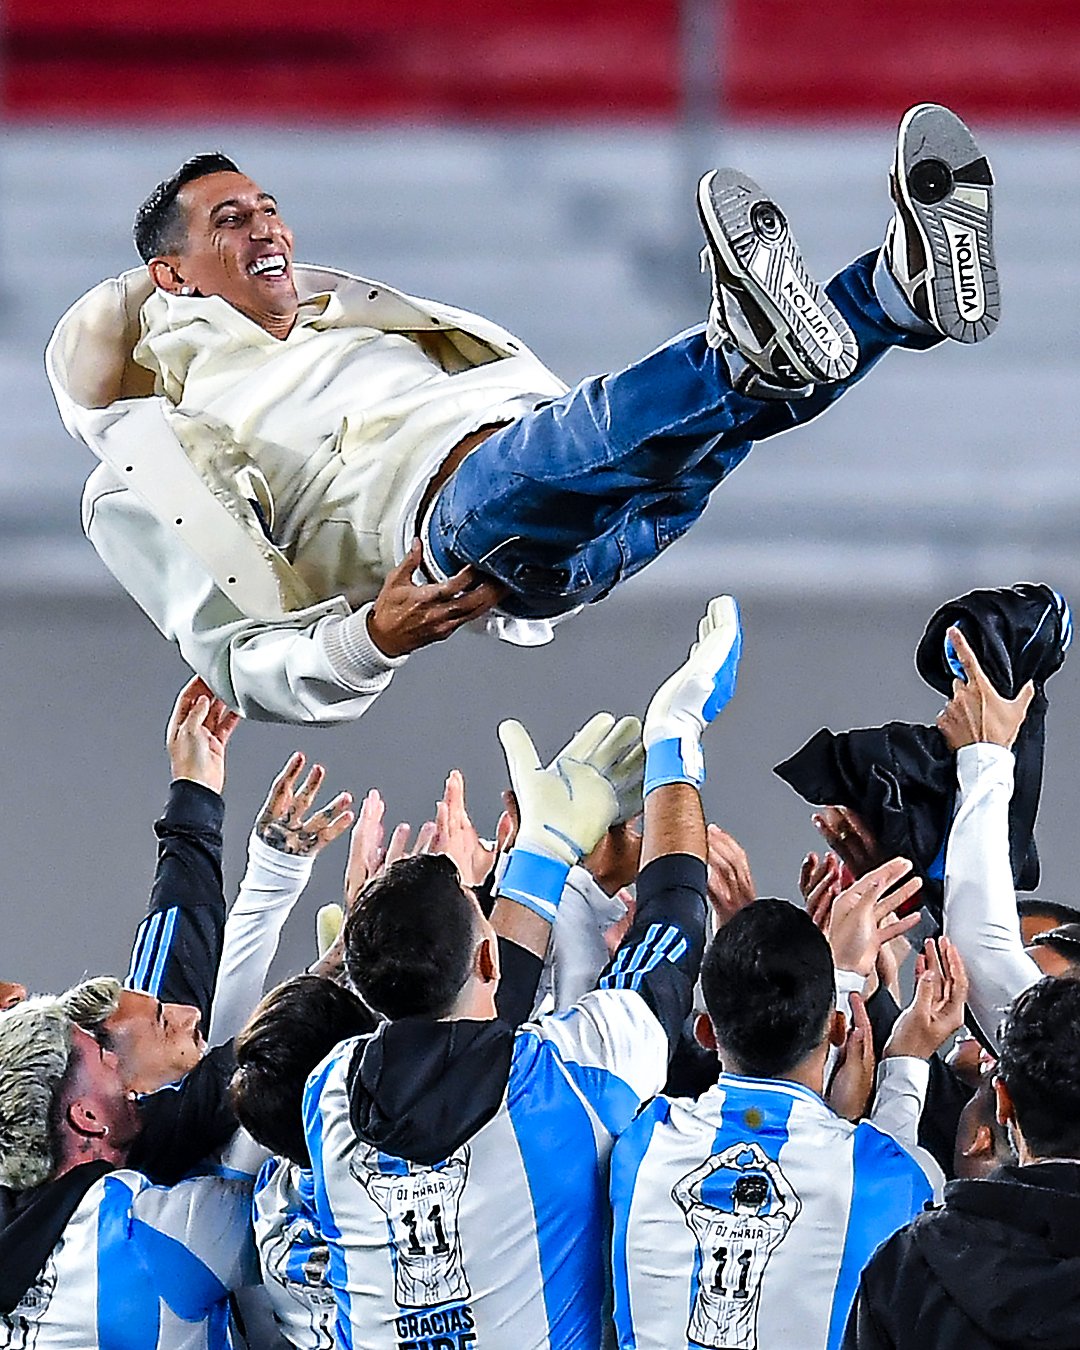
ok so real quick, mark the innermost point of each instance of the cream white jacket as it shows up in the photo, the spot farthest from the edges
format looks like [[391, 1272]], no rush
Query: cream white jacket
[[196, 413]]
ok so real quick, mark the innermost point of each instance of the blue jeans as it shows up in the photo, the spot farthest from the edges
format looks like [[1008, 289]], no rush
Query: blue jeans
[[589, 488]]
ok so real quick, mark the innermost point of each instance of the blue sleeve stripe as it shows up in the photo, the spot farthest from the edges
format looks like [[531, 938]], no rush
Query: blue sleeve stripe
[[888, 1190], [337, 1273], [164, 945], [626, 1160], [151, 951], [633, 964], [631, 957], [145, 939]]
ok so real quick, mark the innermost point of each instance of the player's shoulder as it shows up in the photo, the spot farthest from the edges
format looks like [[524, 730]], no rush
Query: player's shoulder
[[876, 1148], [608, 1014]]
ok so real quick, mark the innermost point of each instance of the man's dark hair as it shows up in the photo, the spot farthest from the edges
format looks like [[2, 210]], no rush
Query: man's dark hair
[[410, 939], [294, 1027], [1040, 1065], [1035, 907], [160, 227], [768, 983]]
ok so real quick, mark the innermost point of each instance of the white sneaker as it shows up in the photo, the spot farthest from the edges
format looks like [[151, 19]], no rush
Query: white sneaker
[[765, 302], [939, 246]]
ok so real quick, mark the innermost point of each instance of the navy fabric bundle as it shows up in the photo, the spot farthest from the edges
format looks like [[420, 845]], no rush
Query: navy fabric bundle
[[901, 778]]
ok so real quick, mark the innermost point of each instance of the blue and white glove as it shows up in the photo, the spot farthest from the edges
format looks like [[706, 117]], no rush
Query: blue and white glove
[[689, 700], [568, 807]]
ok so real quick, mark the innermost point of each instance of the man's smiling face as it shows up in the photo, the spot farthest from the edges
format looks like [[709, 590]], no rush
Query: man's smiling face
[[236, 246]]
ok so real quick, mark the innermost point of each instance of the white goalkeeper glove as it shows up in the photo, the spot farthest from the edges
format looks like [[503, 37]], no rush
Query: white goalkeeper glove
[[689, 700], [568, 807]]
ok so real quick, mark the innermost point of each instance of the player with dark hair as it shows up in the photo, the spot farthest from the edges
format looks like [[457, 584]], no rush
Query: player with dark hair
[[742, 1218], [998, 1265], [305, 476], [459, 1162], [402, 963]]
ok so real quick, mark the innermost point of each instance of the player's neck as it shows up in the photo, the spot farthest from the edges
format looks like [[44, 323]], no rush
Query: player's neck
[[808, 1073]]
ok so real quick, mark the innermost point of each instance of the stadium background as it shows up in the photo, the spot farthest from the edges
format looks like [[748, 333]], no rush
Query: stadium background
[[535, 162]]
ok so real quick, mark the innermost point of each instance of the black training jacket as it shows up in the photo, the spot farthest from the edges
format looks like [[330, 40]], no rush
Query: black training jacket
[[998, 1266]]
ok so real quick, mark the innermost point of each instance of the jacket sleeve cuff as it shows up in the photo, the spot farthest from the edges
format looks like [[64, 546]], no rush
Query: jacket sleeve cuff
[[353, 657], [972, 761], [193, 805], [848, 982], [271, 866]]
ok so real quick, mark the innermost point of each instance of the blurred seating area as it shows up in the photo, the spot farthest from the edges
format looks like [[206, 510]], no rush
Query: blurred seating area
[[535, 60]]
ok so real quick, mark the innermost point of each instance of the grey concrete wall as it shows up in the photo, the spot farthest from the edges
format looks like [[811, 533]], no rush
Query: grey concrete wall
[[941, 472], [85, 691]]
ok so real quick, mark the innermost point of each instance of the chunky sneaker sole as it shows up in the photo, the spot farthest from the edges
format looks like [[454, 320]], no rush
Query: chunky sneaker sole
[[940, 246], [765, 302]]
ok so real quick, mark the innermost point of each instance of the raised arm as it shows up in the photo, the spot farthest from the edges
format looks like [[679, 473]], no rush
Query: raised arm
[[287, 837], [177, 946], [565, 809], [661, 953], [980, 900]]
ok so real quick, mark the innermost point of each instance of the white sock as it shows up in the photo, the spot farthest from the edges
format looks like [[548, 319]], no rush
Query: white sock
[[893, 300]]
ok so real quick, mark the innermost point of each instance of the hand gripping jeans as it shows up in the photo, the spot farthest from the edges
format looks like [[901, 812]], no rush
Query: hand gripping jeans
[[587, 489]]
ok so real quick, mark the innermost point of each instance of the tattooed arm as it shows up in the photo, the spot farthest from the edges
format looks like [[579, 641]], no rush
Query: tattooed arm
[[288, 836]]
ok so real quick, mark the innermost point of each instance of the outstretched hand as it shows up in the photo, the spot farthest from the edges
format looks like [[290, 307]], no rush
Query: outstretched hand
[[936, 1010], [852, 1083], [731, 885], [977, 713], [198, 734], [284, 823], [862, 915], [568, 806], [407, 616], [850, 838], [702, 687], [456, 835]]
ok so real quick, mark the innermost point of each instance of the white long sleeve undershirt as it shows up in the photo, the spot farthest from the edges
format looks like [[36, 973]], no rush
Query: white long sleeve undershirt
[[980, 900], [272, 884]]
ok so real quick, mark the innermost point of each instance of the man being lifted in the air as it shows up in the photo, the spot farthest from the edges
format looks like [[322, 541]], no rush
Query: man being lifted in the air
[[274, 438]]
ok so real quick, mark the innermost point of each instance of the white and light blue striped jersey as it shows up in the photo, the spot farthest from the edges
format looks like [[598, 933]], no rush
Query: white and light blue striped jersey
[[743, 1220], [293, 1255], [141, 1267], [501, 1246]]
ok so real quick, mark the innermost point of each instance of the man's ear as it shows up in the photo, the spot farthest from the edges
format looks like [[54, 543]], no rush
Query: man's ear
[[83, 1120], [166, 276], [837, 1028], [487, 961], [1006, 1111], [705, 1032], [982, 1146]]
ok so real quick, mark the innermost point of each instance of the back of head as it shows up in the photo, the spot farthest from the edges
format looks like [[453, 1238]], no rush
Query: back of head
[[159, 227], [410, 939], [768, 983], [294, 1027], [35, 1055], [1040, 1066]]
